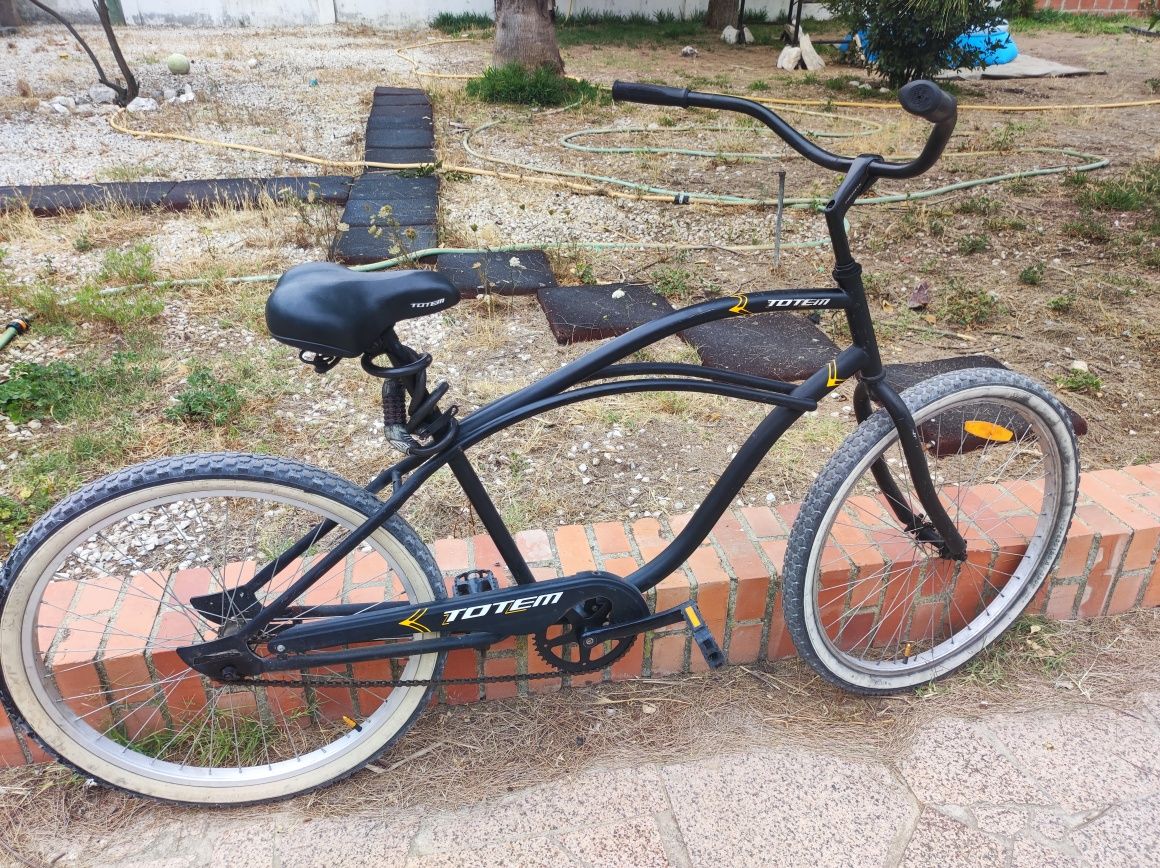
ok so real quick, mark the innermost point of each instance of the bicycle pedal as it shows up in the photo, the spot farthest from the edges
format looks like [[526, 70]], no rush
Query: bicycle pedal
[[474, 582], [703, 636]]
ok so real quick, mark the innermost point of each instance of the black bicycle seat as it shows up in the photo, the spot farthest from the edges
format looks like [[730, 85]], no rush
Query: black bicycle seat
[[326, 308]]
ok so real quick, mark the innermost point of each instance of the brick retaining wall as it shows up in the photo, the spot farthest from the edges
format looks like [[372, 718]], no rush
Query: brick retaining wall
[[1097, 6], [1109, 565]]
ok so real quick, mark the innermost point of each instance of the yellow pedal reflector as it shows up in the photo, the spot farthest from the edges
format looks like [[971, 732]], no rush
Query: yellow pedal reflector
[[691, 613], [988, 431], [351, 723]]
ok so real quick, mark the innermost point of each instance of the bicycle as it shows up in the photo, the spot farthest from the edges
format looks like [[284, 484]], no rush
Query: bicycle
[[231, 628]]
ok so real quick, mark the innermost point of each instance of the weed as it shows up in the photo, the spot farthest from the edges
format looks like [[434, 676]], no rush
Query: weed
[[233, 741], [82, 244], [206, 400], [1088, 228], [23, 88], [759, 86], [973, 244], [1028, 640], [1137, 190], [673, 283], [981, 205], [1032, 275], [1153, 84], [1083, 382], [1061, 303], [132, 266], [586, 274], [1072, 22], [967, 307], [1004, 224], [62, 391], [131, 172], [14, 518], [1075, 179], [540, 87]]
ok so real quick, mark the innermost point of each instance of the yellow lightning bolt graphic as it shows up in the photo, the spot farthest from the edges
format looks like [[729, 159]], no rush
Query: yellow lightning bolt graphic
[[740, 307], [412, 621]]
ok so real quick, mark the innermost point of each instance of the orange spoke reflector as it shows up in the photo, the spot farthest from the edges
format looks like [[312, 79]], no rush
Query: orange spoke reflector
[[988, 431]]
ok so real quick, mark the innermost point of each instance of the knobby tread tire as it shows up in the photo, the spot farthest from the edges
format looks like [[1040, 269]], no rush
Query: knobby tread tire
[[211, 466], [843, 462]]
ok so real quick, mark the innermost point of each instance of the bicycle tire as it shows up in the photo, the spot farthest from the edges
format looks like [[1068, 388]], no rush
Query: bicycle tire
[[144, 726], [828, 599]]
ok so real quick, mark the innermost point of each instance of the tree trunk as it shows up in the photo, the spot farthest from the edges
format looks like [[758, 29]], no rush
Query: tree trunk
[[721, 14], [9, 17], [526, 34]]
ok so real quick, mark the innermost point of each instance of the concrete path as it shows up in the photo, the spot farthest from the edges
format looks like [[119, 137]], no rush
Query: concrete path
[[1075, 785]]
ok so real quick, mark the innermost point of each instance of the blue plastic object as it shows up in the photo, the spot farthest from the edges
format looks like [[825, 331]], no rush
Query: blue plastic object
[[996, 44]]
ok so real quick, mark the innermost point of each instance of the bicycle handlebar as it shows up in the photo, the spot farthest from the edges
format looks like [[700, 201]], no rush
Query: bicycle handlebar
[[922, 98]]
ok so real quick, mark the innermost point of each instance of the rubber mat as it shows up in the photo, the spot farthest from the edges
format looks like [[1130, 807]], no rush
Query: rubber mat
[[592, 313], [398, 156], [520, 273], [945, 434], [400, 137], [389, 212], [781, 346], [386, 186], [359, 245]]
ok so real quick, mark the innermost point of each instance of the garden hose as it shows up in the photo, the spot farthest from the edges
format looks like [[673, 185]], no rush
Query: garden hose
[[18, 326]]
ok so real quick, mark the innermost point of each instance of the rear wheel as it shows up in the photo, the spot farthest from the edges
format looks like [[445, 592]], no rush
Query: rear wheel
[[97, 597], [875, 610]]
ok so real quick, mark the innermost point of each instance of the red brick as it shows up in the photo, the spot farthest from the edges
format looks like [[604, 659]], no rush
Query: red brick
[[534, 545], [763, 521], [679, 522], [184, 693], [1152, 592], [745, 643], [620, 566], [486, 554], [462, 663], [1061, 601], [55, 604], [1125, 592], [788, 512], [1147, 474], [586, 680], [928, 620], [1145, 531], [575, 553], [610, 538], [127, 640], [647, 534], [328, 589], [673, 590], [631, 665], [780, 643], [712, 588], [775, 553], [1095, 594], [861, 630], [1149, 503], [1000, 500], [668, 653], [740, 553], [96, 596], [1121, 482], [452, 555], [10, 753], [500, 666]]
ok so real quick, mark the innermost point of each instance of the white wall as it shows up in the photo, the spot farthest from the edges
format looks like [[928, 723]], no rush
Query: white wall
[[382, 13]]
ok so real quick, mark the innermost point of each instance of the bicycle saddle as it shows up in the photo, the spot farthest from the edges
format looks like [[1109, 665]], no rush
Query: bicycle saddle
[[326, 308]]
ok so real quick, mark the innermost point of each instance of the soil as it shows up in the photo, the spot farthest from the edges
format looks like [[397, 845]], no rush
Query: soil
[[1096, 301]]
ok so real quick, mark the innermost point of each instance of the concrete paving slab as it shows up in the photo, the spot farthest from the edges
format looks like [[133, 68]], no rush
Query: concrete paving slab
[[1029, 851], [636, 842], [1126, 834], [536, 853], [562, 806], [330, 841], [1084, 758], [939, 840], [952, 762], [250, 844], [788, 807]]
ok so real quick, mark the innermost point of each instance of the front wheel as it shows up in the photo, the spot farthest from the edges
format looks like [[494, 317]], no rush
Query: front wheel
[[875, 610], [96, 598]]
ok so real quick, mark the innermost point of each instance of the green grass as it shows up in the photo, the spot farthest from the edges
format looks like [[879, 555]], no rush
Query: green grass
[[61, 391], [541, 87], [1073, 22], [1061, 303], [1088, 228], [461, 22], [206, 400], [674, 283], [969, 244], [1137, 190], [966, 307], [1032, 275], [234, 741], [1083, 382]]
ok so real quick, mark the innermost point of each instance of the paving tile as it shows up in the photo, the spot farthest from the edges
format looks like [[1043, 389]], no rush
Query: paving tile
[[400, 117], [784, 346], [592, 313], [939, 840], [951, 762], [561, 806], [415, 98], [636, 842], [400, 137], [1028, 851], [1083, 758], [357, 245], [398, 156], [395, 185], [389, 212], [328, 841], [1126, 834], [518, 273], [532, 853], [789, 807], [248, 844]]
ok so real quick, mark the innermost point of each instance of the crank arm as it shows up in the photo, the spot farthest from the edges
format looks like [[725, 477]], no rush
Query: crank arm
[[641, 625]]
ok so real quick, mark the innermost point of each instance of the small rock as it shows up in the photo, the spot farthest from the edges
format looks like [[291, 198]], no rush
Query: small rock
[[689, 51], [789, 58], [730, 34], [107, 109], [169, 94], [252, 63], [919, 296], [142, 104], [67, 101], [85, 109], [186, 97], [854, 83], [1079, 365], [101, 94], [34, 424], [59, 108]]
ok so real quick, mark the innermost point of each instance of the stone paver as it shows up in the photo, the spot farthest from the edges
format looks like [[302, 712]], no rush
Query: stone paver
[[789, 807], [1126, 834], [939, 840], [1084, 758]]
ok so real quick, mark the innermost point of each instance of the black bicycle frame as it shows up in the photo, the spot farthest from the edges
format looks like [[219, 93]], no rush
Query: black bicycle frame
[[571, 384]]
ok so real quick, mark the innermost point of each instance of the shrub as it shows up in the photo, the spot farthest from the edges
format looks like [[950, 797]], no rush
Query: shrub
[[912, 39], [539, 87], [206, 400]]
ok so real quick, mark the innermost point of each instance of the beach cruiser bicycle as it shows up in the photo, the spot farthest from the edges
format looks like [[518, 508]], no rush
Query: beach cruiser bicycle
[[231, 628]]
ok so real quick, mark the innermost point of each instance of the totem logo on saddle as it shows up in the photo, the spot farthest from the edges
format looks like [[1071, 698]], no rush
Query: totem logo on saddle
[[510, 607]]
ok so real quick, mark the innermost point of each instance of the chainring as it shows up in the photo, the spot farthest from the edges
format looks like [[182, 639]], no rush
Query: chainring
[[595, 613]]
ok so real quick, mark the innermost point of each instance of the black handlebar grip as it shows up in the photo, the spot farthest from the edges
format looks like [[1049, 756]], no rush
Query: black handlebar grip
[[927, 100], [650, 94]]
